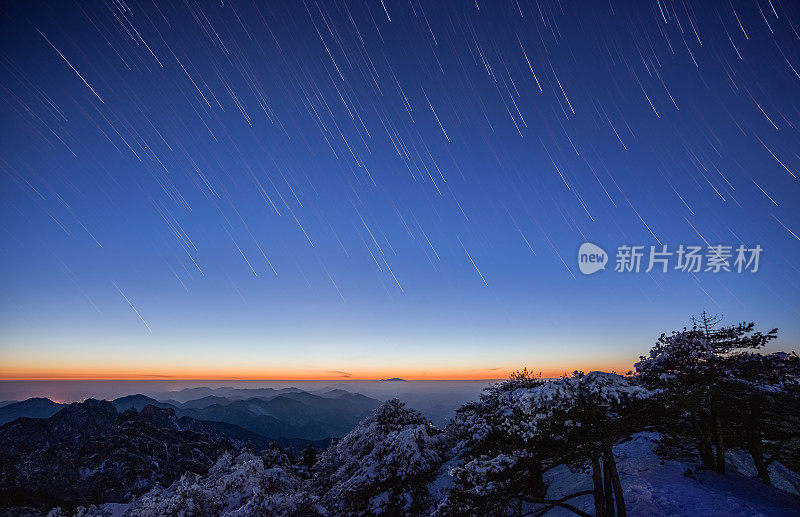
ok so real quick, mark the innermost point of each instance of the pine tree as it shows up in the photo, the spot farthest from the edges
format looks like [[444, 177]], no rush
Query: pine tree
[[498, 464], [383, 466], [309, 457], [714, 375], [524, 426]]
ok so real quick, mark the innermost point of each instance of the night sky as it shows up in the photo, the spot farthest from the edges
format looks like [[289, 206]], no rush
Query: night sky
[[365, 189]]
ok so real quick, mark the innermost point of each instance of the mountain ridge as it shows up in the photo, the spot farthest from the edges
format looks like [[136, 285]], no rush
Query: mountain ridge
[[287, 413]]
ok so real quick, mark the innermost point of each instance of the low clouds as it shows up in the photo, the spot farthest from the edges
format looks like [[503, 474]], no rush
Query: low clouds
[[346, 375]]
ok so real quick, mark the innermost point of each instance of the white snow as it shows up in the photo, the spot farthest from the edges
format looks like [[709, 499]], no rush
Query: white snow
[[656, 487]]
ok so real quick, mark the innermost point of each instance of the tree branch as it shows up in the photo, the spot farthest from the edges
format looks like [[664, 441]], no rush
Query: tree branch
[[560, 503]]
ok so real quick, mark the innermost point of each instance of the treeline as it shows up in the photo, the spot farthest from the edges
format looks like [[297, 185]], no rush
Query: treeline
[[705, 389]]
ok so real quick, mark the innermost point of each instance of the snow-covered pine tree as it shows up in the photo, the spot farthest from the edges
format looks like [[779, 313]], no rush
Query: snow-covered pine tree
[[497, 464], [243, 485], [585, 414], [573, 420], [715, 385], [383, 466]]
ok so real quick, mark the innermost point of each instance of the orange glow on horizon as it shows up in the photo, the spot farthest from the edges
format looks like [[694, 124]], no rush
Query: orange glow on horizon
[[290, 375]]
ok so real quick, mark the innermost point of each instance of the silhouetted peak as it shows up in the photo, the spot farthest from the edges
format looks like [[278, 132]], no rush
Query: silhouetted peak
[[161, 417], [88, 409]]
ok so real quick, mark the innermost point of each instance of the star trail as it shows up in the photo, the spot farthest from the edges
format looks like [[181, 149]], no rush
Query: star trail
[[284, 189]]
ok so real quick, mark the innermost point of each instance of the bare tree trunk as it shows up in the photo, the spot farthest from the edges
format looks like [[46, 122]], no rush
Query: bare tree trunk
[[704, 443], [611, 465], [608, 490], [597, 482], [720, 443], [755, 445]]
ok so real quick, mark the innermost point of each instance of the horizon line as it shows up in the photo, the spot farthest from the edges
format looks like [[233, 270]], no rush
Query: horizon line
[[234, 379]]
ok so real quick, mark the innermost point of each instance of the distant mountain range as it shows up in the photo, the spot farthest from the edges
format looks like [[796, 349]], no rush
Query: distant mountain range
[[96, 451], [285, 414], [31, 408]]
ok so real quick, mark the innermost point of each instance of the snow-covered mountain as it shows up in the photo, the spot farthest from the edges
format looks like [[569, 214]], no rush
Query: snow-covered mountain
[[598, 444], [363, 470], [89, 452]]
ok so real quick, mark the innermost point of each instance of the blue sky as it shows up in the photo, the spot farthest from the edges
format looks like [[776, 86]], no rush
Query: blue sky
[[299, 188]]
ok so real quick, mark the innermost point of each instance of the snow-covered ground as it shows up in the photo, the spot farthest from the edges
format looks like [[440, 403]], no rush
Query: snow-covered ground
[[656, 487], [652, 487]]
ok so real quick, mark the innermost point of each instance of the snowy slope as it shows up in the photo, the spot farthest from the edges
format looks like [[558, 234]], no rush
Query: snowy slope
[[654, 487]]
